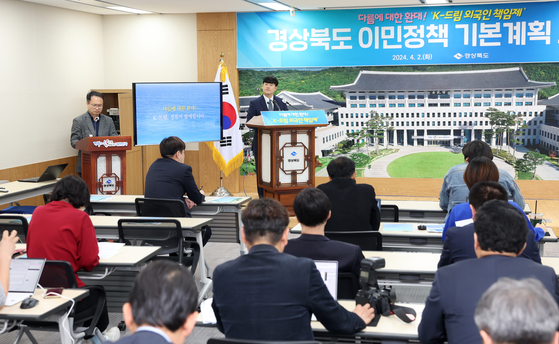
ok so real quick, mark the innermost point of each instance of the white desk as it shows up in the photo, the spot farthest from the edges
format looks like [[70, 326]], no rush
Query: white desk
[[51, 310], [23, 190], [388, 328], [226, 215], [424, 211]]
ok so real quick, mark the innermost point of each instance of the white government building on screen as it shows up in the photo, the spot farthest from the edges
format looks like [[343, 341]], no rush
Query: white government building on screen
[[443, 107]]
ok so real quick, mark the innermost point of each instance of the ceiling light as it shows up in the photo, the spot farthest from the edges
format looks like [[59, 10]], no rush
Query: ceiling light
[[275, 6], [430, 2], [128, 9]]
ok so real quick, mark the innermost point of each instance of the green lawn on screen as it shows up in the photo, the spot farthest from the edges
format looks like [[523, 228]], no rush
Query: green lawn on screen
[[424, 165]]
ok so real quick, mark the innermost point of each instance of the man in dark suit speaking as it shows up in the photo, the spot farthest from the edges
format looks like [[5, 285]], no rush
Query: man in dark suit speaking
[[91, 123], [500, 236], [266, 102], [269, 295]]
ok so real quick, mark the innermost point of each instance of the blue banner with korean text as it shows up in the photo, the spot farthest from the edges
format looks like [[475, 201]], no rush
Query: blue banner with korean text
[[294, 117], [468, 34]]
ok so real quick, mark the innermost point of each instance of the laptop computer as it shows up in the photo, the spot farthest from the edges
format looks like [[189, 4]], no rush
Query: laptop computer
[[329, 271], [51, 173], [24, 276]]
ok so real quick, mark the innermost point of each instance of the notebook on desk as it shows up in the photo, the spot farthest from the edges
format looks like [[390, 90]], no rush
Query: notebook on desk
[[24, 276], [51, 173]]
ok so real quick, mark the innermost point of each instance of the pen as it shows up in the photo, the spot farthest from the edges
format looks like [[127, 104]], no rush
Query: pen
[[201, 187]]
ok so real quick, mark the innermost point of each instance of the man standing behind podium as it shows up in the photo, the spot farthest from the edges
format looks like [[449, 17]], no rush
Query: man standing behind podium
[[91, 123], [266, 102]]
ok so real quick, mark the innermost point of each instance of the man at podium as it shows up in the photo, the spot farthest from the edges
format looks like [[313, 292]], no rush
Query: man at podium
[[91, 123], [266, 102]]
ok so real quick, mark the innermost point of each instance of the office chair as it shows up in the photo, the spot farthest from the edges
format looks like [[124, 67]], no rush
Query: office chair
[[246, 341], [389, 213], [348, 285], [18, 222], [60, 274], [167, 233], [367, 240]]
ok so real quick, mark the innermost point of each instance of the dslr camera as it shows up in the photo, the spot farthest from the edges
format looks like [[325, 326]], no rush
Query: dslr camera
[[381, 299]]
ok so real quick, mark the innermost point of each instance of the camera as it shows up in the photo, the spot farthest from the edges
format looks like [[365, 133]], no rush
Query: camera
[[381, 299]]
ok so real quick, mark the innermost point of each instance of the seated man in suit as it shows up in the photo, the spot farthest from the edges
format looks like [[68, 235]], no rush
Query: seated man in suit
[[354, 206], [517, 312], [162, 312], [312, 208], [266, 102], [500, 236], [170, 178], [454, 190], [269, 295], [459, 243]]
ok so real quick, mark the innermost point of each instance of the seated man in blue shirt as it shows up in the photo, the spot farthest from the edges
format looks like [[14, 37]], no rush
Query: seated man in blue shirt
[[269, 295], [454, 190], [459, 243], [163, 312]]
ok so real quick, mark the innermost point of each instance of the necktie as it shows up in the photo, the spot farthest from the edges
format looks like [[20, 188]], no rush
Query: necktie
[[270, 106]]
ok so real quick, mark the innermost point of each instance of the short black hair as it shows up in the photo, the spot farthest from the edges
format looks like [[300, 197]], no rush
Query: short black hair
[[480, 169], [163, 294], [341, 167], [264, 217], [72, 189], [485, 191], [500, 227], [477, 148], [311, 207], [94, 94], [170, 145], [270, 79]]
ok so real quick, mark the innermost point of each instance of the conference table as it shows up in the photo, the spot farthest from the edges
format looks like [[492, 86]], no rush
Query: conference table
[[424, 211], [225, 212], [22, 190], [50, 310]]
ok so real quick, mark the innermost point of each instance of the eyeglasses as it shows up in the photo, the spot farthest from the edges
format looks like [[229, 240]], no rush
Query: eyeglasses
[[97, 106]]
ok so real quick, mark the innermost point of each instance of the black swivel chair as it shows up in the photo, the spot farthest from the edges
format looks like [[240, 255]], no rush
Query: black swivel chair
[[160, 207], [60, 274], [389, 213], [367, 240], [246, 341], [17, 222]]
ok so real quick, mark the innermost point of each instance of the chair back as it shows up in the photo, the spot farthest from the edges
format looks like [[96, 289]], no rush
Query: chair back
[[160, 207], [348, 285], [367, 240], [246, 341], [58, 274], [166, 233], [389, 213], [14, 222]]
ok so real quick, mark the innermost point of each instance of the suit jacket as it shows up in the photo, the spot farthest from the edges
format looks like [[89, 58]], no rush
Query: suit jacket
[[459, 245], [170, 179], [255, 108], [354, 206], [268, 295], [142, 337], [449, 310], [82, 127], [319, 247]]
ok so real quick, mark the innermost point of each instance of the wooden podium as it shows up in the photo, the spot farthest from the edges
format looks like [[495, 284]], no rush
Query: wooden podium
[[104, 163], [286, 159]]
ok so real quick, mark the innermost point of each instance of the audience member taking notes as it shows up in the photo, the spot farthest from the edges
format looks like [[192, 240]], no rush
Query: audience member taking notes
[[354, 206], [312, 208], [500, 236], [454, 191], [517, 312], [162, 312], [269, 295]]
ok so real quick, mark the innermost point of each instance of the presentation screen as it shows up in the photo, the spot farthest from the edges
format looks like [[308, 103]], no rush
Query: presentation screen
[[189, 110]]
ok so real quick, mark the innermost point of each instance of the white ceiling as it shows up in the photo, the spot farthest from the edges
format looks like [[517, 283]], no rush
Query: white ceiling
[[209, 6]]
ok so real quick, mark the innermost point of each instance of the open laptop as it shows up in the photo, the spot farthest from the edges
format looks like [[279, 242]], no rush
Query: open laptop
[[329, 271], [24, 276], [51, 173]]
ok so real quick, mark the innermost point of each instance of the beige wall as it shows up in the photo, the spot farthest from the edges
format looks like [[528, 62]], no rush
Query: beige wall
[[50, 58]]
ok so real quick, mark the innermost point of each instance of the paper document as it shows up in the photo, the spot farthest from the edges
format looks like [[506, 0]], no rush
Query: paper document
[[224, 200], [109, 249], [397, 227], [435, 228], [208, 316], [100, 198]]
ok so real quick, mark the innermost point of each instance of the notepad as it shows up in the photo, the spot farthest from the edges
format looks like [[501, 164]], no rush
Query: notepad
[[397, 227]]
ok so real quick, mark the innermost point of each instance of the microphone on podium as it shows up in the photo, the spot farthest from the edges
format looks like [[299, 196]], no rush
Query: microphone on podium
[[276, 105]]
